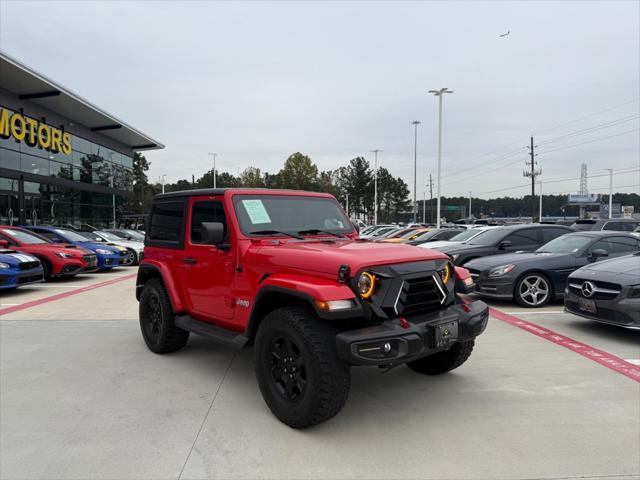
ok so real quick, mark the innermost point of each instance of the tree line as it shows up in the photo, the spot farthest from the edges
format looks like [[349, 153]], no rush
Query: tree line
[[353, 186]]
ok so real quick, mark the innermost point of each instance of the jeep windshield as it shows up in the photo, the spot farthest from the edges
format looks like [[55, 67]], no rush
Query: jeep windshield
[[290, 215]]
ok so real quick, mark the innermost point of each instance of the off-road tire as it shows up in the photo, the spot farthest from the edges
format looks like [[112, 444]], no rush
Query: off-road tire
[[443, 362], [157, 325], [328, 377]]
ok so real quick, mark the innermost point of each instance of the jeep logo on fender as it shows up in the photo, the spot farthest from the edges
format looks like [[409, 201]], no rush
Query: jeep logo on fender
[[33, 132]]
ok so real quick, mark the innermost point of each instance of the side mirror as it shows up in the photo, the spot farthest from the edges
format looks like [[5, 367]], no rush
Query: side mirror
[[597, 253], [504, 244], [4, 244], [212, 233]]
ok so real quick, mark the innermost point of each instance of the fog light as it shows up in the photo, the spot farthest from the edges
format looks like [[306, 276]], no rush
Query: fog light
[[387, 347]]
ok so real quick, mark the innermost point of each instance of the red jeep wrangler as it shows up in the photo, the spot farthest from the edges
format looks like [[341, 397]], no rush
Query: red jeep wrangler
[[286, 272]]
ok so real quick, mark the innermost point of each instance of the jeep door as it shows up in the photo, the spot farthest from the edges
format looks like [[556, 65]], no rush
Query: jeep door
[[207, 271]]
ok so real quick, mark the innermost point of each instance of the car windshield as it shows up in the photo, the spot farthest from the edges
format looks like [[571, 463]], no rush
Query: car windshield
[[89, 236], [25, 237], [110, 236], [384, 232], [136, 235], [466, 235], [71, 236], [488, 237], [290, 214], [566, 244]]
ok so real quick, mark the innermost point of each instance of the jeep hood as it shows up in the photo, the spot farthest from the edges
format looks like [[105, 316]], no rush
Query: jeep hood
[[327, 257]]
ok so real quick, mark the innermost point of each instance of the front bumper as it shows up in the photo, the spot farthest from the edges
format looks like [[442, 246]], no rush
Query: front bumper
[[390, 343], [13, 279], [621, 311]]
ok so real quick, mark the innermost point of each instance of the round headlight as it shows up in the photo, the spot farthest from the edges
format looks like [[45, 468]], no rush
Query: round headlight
[[446, 273], [366, 284]]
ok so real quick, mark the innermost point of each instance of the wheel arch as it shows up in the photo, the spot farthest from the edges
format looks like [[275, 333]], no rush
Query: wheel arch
[[147, 272]]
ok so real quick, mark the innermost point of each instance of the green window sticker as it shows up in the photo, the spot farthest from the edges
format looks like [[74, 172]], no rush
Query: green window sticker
[[256, 211]]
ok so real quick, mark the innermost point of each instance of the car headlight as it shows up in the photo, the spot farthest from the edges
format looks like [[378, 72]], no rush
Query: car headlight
[[64, 255], [366, 284], [634, 292], [102, 251], [501, 270], [446, 273], [4, 265]]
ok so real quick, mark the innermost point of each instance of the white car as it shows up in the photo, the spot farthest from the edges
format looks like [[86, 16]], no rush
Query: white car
[[462, 237], [134, 249]]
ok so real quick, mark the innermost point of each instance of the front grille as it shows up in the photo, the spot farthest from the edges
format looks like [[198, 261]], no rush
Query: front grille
[[418, 295], [89, 258], [29, 265], [612, 290]]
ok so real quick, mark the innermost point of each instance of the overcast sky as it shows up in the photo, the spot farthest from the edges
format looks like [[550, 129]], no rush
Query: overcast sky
[[257, 81]]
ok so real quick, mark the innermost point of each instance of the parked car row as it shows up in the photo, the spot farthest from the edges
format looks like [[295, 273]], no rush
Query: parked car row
[[35, 253]]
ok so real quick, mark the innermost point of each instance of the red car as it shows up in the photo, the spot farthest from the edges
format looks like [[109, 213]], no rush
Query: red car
[[58, 259]]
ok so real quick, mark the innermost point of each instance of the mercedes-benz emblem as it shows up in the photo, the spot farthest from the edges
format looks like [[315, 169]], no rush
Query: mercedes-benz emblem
[[587, 289]]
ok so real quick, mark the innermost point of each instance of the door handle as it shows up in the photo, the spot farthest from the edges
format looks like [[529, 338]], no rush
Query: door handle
[[189, 260]]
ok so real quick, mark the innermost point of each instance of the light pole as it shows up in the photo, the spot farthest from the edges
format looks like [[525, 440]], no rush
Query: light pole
[[611, 193], [347, 204], [375, 187], [214, 155], [415, 124], [424, 206], [439, 93], [162, 178], [540, 212], [469, 205]]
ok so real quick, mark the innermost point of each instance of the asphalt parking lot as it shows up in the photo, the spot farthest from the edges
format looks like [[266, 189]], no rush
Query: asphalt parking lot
[[544, 395]]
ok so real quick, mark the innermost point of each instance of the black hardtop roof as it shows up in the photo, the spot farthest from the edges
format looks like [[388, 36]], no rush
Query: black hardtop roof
[[220, 191]]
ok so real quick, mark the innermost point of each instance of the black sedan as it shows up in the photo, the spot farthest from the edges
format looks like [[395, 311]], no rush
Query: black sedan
[[532, 279], [607, 292], [501, 240]]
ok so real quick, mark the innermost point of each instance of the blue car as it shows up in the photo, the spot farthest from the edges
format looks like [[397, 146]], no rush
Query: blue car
[[18, 269], [109, 256]]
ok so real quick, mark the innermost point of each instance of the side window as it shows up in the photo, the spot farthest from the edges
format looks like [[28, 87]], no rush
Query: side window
[[616, 226], [603, 244], [166, 222], [623, 245], [629, 226], [523, 238], [204, 212], [51, 236], [549, 234]]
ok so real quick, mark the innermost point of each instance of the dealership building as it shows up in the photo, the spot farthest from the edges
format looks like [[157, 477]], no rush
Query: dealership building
[[63, 161]]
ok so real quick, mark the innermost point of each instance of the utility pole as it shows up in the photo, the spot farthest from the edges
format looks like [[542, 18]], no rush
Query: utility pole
[[431, 196], [415, 124], [533, 173], [439, 93], [610, 193], [375, 187], [214, 155]]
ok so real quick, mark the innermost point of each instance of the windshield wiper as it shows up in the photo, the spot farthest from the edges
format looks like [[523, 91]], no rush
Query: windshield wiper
[[276, 232], [314, 231]]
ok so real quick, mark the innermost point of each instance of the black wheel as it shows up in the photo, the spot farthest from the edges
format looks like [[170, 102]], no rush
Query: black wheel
[[46, 270], [301, 377], [156, 320], [533, 290], [443, 362]]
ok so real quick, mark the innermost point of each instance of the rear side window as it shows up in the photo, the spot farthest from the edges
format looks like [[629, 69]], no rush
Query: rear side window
[[549, 234], [623, 245], [523, 238], [204, 212], [166, 224], [621, 226]]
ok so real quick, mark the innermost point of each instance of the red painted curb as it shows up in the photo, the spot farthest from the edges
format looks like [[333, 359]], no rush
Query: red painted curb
[[60, 296], [605, 359]]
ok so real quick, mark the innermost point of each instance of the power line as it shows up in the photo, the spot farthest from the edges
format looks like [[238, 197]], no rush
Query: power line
[[592, 129], [591, 141]]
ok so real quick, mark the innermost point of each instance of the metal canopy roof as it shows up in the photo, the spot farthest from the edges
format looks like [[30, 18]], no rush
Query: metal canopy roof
[[33, 86]]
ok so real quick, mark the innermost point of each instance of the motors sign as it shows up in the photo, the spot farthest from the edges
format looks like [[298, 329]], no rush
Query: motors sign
[[34, 133]]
